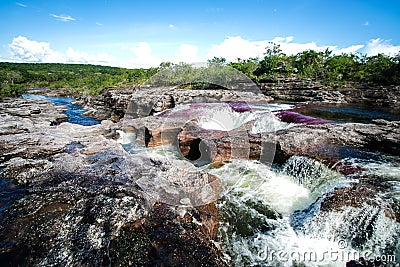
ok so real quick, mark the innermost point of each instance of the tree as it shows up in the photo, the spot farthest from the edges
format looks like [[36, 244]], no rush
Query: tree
[[312, 64], [381, 69], [274, 63], [247, 66], [217, 60], [342, 67]]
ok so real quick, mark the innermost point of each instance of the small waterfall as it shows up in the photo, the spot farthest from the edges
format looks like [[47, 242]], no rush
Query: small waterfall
[[251, 180], [270, 211], [268, 122], [272, 215], [308, 172], [364, 229], [224, 118]]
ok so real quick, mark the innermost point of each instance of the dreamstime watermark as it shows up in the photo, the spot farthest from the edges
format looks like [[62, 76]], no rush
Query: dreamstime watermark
[[331, 255]]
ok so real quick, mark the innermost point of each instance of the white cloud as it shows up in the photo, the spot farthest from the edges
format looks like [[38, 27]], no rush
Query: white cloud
[[99, 24], [237, 47], [349, 50], [25, 50], [75, 56], [20, 4], [171, 26], [63, 18], [186, 53], [366, 23], [380, 46], [144, 56], [286, 39]]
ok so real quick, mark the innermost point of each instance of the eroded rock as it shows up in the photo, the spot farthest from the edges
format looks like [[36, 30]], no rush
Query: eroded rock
[[82, 204]]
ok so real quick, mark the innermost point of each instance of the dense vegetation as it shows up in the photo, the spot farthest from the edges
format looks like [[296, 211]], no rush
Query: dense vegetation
[[324, 66], [86, 79]]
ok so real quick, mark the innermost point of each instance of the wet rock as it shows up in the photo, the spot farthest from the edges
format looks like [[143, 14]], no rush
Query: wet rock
[[111, 104], [180, 240], [324, 141], [83, 205], [363, 193], [90, 211]]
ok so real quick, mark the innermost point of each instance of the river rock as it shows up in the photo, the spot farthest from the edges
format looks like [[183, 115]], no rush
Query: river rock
[[23, 115], [110, 104], [83, 204], [325, 142]]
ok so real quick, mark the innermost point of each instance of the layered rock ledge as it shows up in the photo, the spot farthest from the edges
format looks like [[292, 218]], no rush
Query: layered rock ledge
[[306, 90]]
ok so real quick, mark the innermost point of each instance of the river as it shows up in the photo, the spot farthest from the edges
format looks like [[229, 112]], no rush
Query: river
[[73, 111]]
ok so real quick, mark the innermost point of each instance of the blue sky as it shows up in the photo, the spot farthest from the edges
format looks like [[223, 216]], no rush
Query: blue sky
[[145, 33]]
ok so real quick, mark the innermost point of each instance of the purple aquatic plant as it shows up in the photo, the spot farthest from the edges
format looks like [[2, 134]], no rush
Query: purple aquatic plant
[[239, 106], [294, 117]]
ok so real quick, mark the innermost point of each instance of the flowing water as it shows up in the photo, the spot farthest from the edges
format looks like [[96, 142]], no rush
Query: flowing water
[[274, 215], [223, 117], [73, 111]]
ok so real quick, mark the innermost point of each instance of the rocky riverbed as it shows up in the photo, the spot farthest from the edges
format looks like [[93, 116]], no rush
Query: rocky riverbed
[[96, 196], [81, 205]]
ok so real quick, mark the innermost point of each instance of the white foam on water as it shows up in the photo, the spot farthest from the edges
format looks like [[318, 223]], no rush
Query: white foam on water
[[272, 107], [268, 122], [284, 247], [366, 227], [223, 118], [388, 168], [254, 180], [125, 138], [326, 237]]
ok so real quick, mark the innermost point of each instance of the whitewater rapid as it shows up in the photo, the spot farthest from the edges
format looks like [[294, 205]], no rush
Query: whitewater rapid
[[271, 215]]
